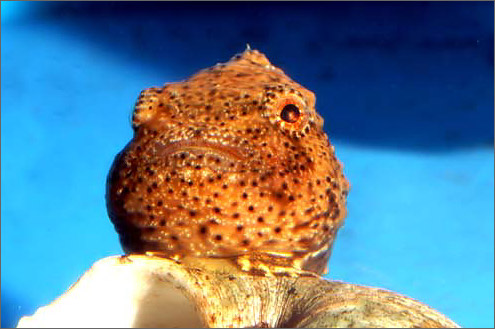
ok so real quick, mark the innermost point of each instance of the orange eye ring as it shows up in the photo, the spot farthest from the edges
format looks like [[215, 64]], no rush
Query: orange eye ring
[[291, 110], [288, 112]]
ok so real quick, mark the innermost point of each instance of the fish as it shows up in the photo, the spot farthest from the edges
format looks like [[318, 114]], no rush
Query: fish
[[227, 201], [234, 163]]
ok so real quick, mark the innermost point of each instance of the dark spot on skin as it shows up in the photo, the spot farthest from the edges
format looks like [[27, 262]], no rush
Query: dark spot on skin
[[309, 210]]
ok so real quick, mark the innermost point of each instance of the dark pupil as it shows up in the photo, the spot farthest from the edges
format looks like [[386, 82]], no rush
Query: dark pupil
[[290, 113]]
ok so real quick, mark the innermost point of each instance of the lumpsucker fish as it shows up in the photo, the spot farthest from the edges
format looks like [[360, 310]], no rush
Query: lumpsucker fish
[[232, 162], [227, 201]]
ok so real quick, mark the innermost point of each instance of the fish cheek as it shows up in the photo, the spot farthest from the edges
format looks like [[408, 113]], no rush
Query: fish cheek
[[119, 189]]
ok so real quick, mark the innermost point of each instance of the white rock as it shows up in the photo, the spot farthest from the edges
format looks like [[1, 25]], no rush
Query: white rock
[[147, 291]]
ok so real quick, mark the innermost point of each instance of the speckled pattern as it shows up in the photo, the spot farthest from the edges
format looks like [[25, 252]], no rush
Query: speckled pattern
[[232, 161]]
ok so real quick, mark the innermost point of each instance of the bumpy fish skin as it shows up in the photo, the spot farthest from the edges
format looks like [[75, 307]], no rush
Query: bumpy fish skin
[[232, 162]]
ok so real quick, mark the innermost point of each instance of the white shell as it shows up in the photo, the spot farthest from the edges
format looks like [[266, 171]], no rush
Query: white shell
[[147, 291]]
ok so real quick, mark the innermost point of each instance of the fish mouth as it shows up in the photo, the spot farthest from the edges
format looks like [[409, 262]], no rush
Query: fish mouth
[[200, 148]]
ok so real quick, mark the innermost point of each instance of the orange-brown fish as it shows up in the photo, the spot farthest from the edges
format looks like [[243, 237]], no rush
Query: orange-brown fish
[[232, 162]]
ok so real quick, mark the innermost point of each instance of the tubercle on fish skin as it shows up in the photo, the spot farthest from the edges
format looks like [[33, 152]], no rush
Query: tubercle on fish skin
[[218, 168]]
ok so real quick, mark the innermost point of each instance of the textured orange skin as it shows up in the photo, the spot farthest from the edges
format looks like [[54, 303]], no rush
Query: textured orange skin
[[214, 170]]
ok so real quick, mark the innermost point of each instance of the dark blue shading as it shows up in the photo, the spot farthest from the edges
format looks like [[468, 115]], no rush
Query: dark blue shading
[[12, 308], [434, 92]]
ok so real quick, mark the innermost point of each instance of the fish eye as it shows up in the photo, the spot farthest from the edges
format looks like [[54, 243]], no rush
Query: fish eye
[[290, 113]]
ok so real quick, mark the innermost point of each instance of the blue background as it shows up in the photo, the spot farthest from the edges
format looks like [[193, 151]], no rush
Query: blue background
[[406, 90]]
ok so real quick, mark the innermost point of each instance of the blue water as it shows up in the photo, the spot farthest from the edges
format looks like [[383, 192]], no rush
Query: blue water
[[406, 90]]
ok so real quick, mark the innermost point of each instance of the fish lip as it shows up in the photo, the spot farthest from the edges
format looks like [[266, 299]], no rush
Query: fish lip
[[201, 146]]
